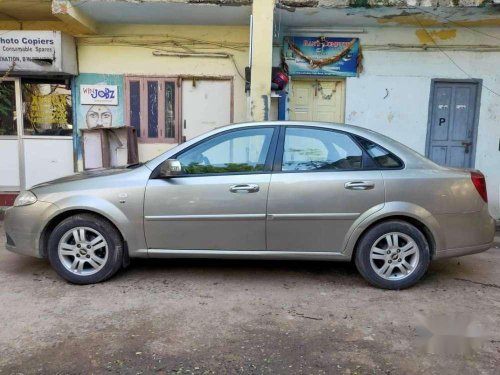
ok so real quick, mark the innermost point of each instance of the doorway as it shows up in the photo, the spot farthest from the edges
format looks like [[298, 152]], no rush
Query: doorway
[[318, 99], [206, 105], [453, 121], [36, 141]]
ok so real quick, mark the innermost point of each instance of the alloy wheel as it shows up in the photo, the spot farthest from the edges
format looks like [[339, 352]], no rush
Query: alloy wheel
[[394, 256], [83, 251]]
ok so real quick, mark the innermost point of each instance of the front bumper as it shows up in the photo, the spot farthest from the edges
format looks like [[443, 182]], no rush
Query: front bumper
[[23, 227]]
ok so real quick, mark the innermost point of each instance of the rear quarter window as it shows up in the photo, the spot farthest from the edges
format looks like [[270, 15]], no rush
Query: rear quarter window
[[380, 155]]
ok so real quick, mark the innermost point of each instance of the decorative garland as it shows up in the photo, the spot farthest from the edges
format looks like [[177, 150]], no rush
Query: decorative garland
[[323, 94]]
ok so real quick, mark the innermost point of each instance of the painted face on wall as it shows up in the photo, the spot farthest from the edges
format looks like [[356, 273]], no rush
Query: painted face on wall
[[99, 116]]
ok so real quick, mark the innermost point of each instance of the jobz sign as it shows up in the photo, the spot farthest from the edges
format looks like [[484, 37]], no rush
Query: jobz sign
[[99, 94]]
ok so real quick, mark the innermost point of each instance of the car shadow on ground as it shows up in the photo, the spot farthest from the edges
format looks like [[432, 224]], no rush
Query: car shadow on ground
[[337, 273], [327, 271]]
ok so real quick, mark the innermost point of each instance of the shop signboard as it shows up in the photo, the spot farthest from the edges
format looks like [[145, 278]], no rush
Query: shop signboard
[[99, 94], [37, 52], [321, 56]]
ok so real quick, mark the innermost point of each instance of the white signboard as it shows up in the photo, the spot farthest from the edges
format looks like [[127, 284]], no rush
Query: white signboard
[[37, 52], [99, 94]]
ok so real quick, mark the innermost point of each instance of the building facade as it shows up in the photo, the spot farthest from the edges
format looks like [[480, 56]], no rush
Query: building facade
[[423, 73]]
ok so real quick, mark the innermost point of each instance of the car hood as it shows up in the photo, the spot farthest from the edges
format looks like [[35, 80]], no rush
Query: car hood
[[83, 176]]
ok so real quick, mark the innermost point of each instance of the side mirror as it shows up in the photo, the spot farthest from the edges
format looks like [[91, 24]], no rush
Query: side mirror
[[170, 168]]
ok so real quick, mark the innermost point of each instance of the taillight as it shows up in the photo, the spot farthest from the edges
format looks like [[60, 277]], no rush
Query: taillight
[[480, 183]]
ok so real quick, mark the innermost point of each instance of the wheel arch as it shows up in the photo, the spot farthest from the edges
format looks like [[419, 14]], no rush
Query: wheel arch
[[60, 216], [411, 220], [413, 214]]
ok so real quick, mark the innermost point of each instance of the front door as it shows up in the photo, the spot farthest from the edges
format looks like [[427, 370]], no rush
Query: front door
[[317, 100], [452, 124], [319, 193], [219, 201]]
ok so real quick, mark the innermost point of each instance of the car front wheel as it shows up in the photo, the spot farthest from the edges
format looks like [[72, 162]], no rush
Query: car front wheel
[[85, 249], [393, 255]]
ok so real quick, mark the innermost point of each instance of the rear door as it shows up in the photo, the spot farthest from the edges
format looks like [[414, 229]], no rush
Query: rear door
[[319, 190]]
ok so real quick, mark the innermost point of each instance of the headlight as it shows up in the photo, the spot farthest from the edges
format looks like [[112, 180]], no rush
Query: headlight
[[25, 198]]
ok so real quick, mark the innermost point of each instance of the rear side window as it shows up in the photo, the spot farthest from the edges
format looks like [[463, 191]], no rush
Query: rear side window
[[308, 149], [380, 155]]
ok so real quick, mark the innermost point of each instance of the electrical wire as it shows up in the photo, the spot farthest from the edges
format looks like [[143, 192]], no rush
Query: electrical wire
[[237, 70], [449, 57], [166, 40]]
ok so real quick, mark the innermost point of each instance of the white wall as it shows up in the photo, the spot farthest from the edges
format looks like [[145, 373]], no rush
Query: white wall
[[148, 151], [391, 96], [9, 164], [47, 159]]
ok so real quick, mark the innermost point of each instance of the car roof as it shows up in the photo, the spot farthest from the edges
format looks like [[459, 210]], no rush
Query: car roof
[[358, 130], [410, 157]]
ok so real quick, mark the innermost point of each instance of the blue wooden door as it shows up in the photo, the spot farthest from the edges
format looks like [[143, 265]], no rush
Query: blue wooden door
[[452, 124]]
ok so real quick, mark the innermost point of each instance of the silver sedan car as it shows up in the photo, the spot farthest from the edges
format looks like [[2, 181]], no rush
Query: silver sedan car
[[287, 190]]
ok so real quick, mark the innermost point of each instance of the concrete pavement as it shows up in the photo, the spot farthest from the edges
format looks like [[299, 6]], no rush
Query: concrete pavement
[[249, 317]]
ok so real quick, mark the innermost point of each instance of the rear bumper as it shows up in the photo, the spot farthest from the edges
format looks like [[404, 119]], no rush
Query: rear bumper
[[23, 227], [461, 251], [466, 233]]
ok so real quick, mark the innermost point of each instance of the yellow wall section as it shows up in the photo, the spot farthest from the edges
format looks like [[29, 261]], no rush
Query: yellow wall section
[[101, 55], [431, 21], [262, 62], [428, 37]]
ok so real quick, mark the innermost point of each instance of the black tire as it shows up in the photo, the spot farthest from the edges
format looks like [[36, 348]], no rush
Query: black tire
[[372, 236], [99, 225]]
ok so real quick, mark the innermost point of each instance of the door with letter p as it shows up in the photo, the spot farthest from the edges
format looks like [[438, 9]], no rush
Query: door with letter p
[[453, 122]]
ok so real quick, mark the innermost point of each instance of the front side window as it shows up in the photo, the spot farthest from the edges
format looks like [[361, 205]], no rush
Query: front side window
[[317, 149], [47, 108], [240, 151]]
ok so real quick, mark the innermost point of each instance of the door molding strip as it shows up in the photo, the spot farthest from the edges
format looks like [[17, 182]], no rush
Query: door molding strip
[[325, 216], [244, 217], [246, 254]]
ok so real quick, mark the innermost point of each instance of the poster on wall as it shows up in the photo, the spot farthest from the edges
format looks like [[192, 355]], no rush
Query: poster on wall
[[322, 56], [99, 94], [94, 113]]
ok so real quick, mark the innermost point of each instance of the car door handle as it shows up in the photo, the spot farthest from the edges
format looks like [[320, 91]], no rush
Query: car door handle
[[359, 185], [244, 188]]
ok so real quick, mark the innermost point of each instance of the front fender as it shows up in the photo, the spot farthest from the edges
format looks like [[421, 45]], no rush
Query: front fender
[[393, 209], [129, 225]]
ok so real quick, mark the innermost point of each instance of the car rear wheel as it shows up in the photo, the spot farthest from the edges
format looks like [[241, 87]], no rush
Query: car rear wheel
[[393, 255], [85, 249]]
